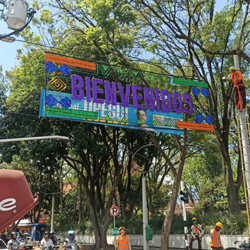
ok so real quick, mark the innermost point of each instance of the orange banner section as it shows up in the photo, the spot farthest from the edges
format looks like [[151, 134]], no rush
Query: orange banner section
[[70, 61], [195, 126]]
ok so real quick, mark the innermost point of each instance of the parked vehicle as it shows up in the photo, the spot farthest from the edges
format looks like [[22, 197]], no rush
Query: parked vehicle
[[3, 245], [23, 245], [241, 245], [28, 241]]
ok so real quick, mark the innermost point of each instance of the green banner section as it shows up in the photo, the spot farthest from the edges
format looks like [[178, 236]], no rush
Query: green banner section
[[189, 83], [71, 113]]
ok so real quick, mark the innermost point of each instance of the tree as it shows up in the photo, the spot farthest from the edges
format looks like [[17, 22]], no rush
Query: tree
[[188, 38], [3, 90], [189, 35]]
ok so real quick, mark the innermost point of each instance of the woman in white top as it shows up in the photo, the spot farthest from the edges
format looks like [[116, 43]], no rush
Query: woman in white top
[[46, 242]]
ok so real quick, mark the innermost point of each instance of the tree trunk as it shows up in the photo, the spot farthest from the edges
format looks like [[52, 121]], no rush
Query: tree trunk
[[231, 187], [80, 199], [172, 205]]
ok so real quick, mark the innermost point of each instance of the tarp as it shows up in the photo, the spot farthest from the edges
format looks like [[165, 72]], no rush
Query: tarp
[[16, 199], [35, 228]]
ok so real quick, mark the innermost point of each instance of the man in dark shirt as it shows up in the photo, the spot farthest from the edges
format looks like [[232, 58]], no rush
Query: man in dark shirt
[[53, 237]]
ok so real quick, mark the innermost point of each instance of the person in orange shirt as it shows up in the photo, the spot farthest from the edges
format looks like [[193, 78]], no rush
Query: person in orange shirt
[[239, 86], [122, 241], [215, 241]]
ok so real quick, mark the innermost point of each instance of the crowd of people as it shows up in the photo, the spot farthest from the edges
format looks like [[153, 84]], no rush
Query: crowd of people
[[18, 240], [49, 239], [122, 240]]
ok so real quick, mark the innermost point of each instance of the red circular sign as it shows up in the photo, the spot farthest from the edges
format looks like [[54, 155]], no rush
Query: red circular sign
[[114, 211]]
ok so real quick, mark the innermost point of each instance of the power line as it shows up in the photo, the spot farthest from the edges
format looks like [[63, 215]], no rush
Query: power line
[[133, 58]]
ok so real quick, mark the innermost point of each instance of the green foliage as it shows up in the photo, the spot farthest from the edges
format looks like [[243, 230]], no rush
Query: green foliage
[[99, 157], [212, 197], [235, 225], [232, 225]]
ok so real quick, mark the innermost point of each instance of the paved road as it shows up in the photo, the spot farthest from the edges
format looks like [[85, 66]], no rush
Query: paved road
[[88, 247]]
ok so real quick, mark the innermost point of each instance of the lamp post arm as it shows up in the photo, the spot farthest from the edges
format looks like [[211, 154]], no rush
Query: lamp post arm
[[157, 145], [146, 145], [56, 137]]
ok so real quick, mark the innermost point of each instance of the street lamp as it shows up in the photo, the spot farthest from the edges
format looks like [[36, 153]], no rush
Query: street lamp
[[53, 201], [144, 201], [51, 137], [18, 17]]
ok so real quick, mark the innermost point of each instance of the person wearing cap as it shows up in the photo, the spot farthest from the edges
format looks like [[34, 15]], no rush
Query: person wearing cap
[[53, 237], [215, 241], [196, 233], [20, 236], [239, 86], [13, 243], [70, 241], [122, 240], [46, 242]]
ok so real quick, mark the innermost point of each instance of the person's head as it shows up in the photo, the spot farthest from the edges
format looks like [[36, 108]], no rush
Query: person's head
[[142, 115], [52, 232], [46, 234], [122, 231], [71, 234], [194, 221], [13, 235], [218, 226], [232, 69]]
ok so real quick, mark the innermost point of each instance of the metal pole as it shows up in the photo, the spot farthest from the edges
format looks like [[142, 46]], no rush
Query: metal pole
[[236, 59], [52, 212], [144, 201], [245, 149], [184, 217], [243, 173], [144, 211], [244, 138]]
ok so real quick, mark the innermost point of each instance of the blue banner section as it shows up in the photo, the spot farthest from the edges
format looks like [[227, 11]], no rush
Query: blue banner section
[[61, 105]]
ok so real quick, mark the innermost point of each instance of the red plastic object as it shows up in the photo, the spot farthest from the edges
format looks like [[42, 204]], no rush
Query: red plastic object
[[16, 199]]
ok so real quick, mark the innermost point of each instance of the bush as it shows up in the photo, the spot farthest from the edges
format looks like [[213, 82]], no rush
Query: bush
[[236, 225]]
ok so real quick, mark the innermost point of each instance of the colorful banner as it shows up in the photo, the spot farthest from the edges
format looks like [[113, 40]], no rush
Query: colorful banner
[[61, 105], [107, 95]]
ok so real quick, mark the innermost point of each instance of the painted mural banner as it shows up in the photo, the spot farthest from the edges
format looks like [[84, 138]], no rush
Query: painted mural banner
[[107, 95]]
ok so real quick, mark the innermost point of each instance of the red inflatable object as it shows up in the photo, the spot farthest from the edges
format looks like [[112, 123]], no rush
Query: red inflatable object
[[16, 199]]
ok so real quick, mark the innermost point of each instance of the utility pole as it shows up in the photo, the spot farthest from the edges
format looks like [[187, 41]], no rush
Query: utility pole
[[244, 147], [144, 211], [52, 212], [144, 201], [184, 217]]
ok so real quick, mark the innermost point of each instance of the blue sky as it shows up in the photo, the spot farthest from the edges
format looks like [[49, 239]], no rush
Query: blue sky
[[9, 50]]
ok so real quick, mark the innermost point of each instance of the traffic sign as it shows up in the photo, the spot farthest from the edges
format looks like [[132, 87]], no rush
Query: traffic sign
[[115, 231], [114, 211]]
